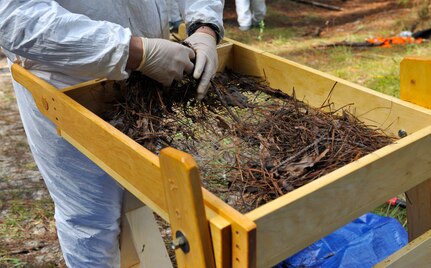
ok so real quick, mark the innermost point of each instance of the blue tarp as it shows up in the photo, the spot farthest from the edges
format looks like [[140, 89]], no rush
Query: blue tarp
[[362, 243]]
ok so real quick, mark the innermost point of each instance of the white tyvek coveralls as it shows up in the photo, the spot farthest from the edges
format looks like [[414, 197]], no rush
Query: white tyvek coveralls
[[250, 11], [174, 11], [66, 42]]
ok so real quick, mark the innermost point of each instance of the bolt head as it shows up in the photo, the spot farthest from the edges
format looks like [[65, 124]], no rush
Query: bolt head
[[178, 242], [402, 133]]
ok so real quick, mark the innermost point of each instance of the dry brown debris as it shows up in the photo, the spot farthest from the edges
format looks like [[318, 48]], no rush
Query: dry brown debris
[[252, 143]]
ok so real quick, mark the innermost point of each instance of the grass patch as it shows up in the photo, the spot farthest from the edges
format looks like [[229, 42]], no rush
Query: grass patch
[[30, 166], [395, 212], [258, 36], [12, 262], [20, 215], [388, 84]]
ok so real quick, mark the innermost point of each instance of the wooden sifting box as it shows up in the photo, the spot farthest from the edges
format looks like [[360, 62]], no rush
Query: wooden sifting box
[[217, 235]]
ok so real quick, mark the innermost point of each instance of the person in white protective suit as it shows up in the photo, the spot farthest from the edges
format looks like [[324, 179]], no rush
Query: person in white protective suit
[[67, 42], [175, 17], [250, 13]]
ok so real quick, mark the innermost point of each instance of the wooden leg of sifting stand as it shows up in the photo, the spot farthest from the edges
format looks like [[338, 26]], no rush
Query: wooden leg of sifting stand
[[141, 243], [415, 87]]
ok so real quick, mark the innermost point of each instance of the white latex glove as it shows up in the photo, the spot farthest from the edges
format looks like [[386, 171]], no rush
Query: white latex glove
[[164, 60], [206, 60]]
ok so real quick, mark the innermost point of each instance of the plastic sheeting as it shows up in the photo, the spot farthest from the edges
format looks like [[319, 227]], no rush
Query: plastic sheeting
[[362, 243]]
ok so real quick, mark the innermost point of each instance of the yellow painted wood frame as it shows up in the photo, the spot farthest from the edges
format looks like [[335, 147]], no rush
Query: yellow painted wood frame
[[278, 229]]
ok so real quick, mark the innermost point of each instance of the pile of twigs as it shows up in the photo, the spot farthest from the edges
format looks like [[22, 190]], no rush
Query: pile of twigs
[[252, 143]]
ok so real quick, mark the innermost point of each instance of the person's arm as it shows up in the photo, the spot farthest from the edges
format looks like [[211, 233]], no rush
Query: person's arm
[[43, 31]]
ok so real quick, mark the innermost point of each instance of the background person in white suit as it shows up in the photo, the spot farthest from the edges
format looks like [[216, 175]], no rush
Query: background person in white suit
[[250, 13]]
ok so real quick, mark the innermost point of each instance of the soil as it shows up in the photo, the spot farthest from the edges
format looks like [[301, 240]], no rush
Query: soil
[[27, 231]]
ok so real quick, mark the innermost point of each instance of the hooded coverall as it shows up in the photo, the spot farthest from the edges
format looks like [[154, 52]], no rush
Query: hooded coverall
[[67, 42], [175, 17]]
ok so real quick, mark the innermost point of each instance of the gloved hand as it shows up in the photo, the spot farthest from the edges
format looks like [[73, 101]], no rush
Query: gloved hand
[[164, 60], [206, 60]]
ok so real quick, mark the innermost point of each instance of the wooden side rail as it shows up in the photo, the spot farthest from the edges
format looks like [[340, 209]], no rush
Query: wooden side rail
[[314, 87], [416, 254]]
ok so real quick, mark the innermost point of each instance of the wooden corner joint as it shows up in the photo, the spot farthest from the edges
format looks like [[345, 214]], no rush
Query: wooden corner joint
[[183, 193]]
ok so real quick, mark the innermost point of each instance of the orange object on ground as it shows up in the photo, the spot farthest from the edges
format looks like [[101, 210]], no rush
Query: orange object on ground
[[396, 40]]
